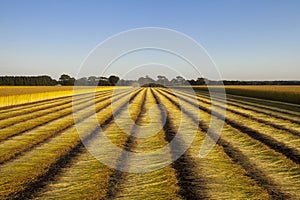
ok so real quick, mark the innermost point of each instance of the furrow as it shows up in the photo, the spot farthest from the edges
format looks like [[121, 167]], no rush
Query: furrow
[[118, 176], [285, 125], [22, 127], [12, 148], [221, 177], [246, 106], [281, 142], [270, 169], [32, 114], [35, 106], [276, 107], [24, 176], [20, 107], [86, 177], [152, 178], [191, 181]]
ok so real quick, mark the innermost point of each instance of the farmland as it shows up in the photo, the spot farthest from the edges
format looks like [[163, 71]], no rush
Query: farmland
[[13, 95], [290, 94], [42, 155]]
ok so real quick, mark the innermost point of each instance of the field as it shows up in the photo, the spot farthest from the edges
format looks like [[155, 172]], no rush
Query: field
[[290, 94], [42, 156], [13, 95]]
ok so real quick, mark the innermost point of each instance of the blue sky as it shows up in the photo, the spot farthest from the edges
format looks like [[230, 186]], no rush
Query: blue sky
[[248, 40]]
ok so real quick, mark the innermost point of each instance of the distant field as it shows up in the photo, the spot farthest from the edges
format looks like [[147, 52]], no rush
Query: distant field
[[18, 90], [13, 95], [289, 94], [256, 157]]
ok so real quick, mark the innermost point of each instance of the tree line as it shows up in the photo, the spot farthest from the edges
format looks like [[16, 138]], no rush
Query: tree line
[[113, 80], [64, 79], [27, 80]]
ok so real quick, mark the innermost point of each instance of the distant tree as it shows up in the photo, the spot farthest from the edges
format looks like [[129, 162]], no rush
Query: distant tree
[[64, 77], [123, 82], [82, 81], [200, 81], [27, 80], [173, 82], [142, 81], [66, 80], [146, 80], [180, 80], [113, 80], [162, 80], [103, 81], [152, 85], [192, 82], [93, 81]]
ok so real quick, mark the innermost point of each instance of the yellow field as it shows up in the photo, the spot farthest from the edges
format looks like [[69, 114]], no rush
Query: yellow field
[[289, 94], [13, 95], [42, 156]]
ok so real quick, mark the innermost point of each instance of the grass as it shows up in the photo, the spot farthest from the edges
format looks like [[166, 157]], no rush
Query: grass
[[276, 135], [252, 114], [11, 147], [275, 166], [260, 121], [61, 115], [42, 155], [14, 95], [290, 94], [222, 177], [158, 184], [23, 172], [17, 117], [258, 107], [76, 181]]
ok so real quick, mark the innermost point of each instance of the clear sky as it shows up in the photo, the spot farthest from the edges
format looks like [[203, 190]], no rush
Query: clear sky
[[248, 40]]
